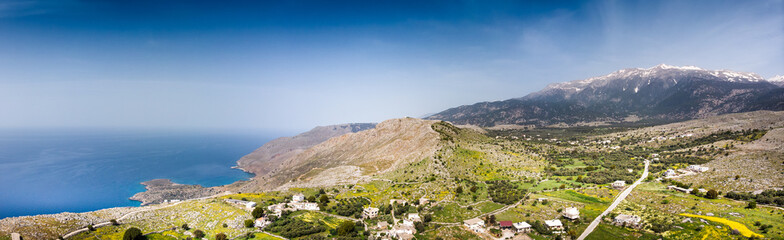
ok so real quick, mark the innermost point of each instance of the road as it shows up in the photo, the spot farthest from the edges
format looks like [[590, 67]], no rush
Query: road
[[614, 204]]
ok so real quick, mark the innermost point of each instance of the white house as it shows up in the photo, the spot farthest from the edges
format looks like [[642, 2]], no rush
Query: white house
[[398, 201], [305, 206], [697, 168], [571, 213], [246, 204], [522, 227], [299, 197], [261, 222], [627, 220], [554, 224], [669, 173], [414, 217], [475, 224], [423, 201], [370, 212], [619, 184]]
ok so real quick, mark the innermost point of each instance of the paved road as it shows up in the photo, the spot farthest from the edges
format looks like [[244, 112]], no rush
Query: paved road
[[614, 204]]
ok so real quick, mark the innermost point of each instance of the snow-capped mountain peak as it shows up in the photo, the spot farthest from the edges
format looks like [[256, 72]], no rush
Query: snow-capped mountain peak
[[778, 78], [661, 72]]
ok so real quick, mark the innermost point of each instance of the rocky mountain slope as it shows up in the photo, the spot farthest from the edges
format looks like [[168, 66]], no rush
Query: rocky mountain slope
[[660, 93], [353, 156], [271, 154]]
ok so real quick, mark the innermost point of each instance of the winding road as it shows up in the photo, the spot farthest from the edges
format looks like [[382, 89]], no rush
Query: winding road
[[615, 203]]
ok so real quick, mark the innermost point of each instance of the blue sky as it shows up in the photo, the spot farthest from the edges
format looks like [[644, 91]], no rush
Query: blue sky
[[292, 65]]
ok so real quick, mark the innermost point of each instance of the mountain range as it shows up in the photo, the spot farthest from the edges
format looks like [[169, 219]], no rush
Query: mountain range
[[661, 93]]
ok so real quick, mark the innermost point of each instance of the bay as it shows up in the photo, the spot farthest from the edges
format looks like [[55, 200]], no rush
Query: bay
[[52, 171]]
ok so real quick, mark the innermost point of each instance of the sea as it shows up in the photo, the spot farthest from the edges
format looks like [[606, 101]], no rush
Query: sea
[[45, 171]]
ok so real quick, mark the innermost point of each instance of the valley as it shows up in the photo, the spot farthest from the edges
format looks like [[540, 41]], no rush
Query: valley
[[450, 175]]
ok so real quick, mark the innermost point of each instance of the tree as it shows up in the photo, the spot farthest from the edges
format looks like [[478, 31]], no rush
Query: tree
[[198, 233], [427, 218], [90, 227], [114, 222], [257, 212], [491, 219], [712, 194], [473, 189], [459, 190], [324, 199], [312, 199], [752, 205], [249, 223], [133, 234], [420, 227], [345, 228], [220, 236], [185, 226]]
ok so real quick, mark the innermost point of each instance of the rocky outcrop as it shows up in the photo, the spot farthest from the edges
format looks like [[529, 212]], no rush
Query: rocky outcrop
[[159, 190], [270, 155], [355, 156]]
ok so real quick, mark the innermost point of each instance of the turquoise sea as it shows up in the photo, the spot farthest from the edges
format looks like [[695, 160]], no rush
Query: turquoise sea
[[52, 171]]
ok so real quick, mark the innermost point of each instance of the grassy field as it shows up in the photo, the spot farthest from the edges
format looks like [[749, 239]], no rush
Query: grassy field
[[745, 231], [448, 233], [605, 231], [652, 202]]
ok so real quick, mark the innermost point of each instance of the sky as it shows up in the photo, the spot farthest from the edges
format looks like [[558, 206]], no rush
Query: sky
[[293, 65]]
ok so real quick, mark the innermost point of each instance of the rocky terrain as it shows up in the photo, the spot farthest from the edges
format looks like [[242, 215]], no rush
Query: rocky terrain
[[159, 190], [270, 155], [349, 157], [658, 94]]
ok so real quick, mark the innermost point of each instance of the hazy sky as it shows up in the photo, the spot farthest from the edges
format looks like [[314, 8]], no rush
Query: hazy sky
[[292, 65]]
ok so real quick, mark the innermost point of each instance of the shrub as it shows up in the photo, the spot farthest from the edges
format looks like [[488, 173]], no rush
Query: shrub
[[220, 236], [185, 226], [114, 222], [198, 233], [712, 194], [249, 223], [345, 228], [133, 234]]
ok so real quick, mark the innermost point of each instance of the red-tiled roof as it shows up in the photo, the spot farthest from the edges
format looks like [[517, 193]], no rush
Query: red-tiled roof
[[505, 223]]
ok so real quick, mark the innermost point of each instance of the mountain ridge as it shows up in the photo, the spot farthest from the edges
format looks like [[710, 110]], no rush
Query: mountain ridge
[[659, 93]]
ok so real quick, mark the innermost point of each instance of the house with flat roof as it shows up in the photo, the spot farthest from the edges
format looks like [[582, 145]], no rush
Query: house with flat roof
[[522, 227], [475, 224], [370, 212], [299, 197], [697, 168], [571, 213], [627, 220], [554, 225], [246, 204], [619, 184]]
